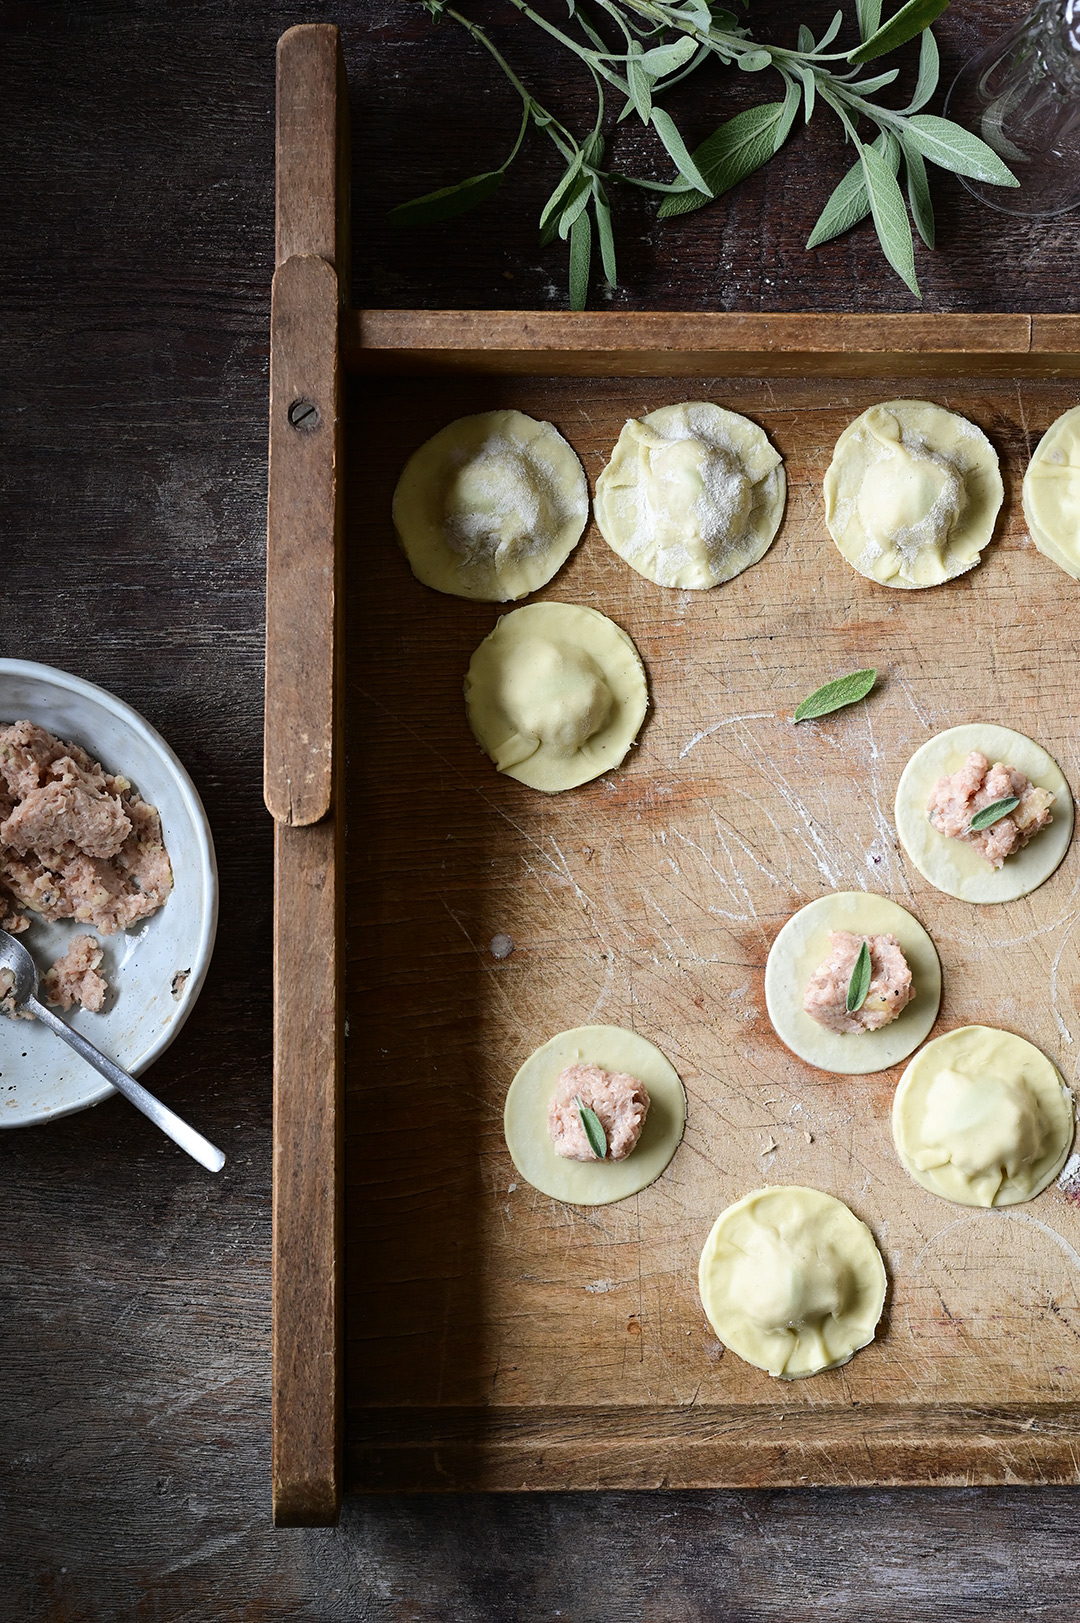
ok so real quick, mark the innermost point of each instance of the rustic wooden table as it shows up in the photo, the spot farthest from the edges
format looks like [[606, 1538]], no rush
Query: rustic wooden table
[[137, 196]]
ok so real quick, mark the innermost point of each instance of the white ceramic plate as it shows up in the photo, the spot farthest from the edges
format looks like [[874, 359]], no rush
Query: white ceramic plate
[[156, 969]]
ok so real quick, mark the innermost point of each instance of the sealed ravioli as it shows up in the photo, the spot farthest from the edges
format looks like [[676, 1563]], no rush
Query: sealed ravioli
[[555, 695], [807, 1006], [1052, 493], [693, 494], [491, 506], [792, 1281], [956, 770], [981, 1117], [532, 1126], [912, 493]]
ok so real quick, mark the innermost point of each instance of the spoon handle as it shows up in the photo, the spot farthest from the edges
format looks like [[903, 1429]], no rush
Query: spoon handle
[[169, 1122]]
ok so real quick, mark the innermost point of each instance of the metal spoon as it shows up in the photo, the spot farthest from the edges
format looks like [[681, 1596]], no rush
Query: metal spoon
[[14, 957]]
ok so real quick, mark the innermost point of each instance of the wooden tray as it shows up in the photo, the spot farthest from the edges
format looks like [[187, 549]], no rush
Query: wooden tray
[[450, 1327]]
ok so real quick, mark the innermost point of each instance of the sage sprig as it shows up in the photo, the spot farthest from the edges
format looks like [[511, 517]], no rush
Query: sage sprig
[[835, 695], [593, 1128], [993, 813], [651, 45], [859, 984]]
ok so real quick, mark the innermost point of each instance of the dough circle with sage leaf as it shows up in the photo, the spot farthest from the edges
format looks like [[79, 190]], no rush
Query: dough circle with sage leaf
[[981, 1117], [912, 494], [950, 864], [804, 943], [491, 506], [593, 1183], [693, 495], [1052, 493], [792, 1281], [555, 695]]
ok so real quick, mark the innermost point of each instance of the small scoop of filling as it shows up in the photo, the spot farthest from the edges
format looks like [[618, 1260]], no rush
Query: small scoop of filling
[[955, 800], [825, 998], [618, 1099], [74, 978]]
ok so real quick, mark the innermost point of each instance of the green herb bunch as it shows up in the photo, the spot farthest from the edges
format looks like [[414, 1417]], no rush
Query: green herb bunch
[[659, 43]]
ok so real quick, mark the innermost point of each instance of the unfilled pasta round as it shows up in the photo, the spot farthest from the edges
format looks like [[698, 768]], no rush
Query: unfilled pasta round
[[593, 1183], [693, 494], [954, 866], [982, 1117], [803, 944], [792, 1281], [1052, 493], [555, 695], [912, 493], [491, 506]]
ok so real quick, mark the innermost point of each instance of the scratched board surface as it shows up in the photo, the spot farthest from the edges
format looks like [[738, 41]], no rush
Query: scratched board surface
[[649, 899]]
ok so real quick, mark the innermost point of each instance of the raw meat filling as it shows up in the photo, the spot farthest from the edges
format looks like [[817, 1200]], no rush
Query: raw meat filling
[[74, 978], [620, 1101], [955, 800], [825, 998], [76, 842]]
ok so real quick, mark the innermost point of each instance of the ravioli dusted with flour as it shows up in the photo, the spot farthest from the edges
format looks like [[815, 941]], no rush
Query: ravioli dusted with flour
[[912, 494], [981, 1117], [491, 506], [1052, 493], [693, 494], [792, 1281]]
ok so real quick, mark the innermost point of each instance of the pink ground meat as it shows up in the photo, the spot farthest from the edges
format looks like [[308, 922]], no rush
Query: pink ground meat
[[620, 1101], [74, 978], [955, 800], [825, 998], [76, 842]]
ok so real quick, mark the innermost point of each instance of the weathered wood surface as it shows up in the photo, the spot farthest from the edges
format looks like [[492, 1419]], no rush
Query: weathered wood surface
[[136, 261], [649, 899]]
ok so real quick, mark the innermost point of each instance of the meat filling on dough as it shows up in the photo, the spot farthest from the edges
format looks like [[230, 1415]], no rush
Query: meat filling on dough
[[956, 799], [620, 1101], [891, 990]]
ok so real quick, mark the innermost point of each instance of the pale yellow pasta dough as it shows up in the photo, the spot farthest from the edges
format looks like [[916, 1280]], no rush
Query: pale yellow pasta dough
[[981, 1117], [693, 494], [792, 1281], [912, 493], [955, 866], [803, 944], [1052, 493], [491, 506], [593, 1183], [555, 695]]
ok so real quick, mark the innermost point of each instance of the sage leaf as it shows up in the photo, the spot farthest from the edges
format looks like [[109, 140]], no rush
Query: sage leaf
[[792, 98], [580, 257], [606, 234], [850, 203], [593, 1128], [669, 58], [755, 61], [929, 72], [728, 155], [809, 88], [866, 87], [918, 190], [447, 201], [664, 125], [577, 200], [859, 984], [561, 190], [993, 813], [951, 147], [835, 695], [890, 217], [639, 84], [869, 14], [806, 38], [831, 32], [902, 26]]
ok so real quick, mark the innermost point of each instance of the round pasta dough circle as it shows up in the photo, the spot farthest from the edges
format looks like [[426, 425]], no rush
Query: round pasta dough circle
[[981, 1117], [1052, 493], [950, 864], [555, 695], [491, 506], [693, 495], [792, 1281], [593, 1183], [912, 494], [803, 944]]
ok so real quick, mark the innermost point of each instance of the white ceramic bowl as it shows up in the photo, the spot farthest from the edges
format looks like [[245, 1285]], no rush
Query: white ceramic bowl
[[156, 969]]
